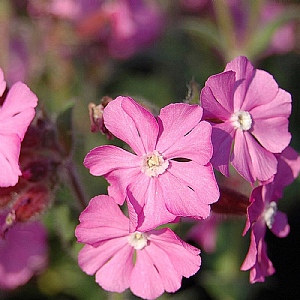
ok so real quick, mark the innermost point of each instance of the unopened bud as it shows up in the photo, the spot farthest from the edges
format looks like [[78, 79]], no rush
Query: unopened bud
[[96, 117]]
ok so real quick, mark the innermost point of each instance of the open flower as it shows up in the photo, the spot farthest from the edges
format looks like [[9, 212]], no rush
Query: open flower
[[23, 253], [16, 113], [249, 114], [148, 263], [169, 175]]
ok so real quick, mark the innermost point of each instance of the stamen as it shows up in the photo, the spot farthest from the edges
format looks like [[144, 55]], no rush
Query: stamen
[[138, 240], [241, 120], [269, 214], [153, 164]]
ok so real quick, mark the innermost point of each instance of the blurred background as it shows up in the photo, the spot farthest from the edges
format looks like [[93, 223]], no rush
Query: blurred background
[[75, 52]]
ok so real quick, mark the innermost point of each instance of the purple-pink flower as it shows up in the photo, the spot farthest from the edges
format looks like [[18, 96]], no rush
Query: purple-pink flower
[[249, 114], [169, 173], [263, 212], [23, 253], [16, 113], [148, 263]]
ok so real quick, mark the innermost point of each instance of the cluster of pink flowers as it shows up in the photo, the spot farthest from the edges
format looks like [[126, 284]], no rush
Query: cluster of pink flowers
[[168, 174]]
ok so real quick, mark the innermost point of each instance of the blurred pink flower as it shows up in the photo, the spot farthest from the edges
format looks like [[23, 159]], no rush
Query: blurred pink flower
[[148, 263], [16, 113], [125, 26], [169, 175], [23, 253], [249, 112], [204, 232]]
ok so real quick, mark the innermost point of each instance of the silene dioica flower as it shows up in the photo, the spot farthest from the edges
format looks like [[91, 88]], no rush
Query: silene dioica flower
[[148, 263], [249, 114], [169, 174], [263, 213]]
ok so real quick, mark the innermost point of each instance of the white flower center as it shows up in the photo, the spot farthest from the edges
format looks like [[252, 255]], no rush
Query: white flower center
[[138, 240], [269, 214], [153, 164], [241, 120]]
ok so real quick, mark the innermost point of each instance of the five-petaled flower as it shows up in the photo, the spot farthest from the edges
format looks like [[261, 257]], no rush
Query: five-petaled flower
[[169, 175], [148, 263], [249, 114], [16, 113]]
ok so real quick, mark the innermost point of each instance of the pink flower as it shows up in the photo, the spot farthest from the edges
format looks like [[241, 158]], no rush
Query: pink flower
[[249, 113], [148, 263], [169, 174], [263, 213], [16, 113], [23, 253], [204, 232]]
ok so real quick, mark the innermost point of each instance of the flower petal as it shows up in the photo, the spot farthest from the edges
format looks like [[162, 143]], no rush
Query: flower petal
[[147, 198], [182, 200], [175, 121], [196, 145], [101, 220], [270, 126], [216, 97], [2, 83], [18, 110], [137, 128], [104, 159], [114, 276], [200, 179], [91, 259], [9, 160], [145, 123], [244, 73], [184, 257], [169, 276], [145, 281], [222, 139]]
